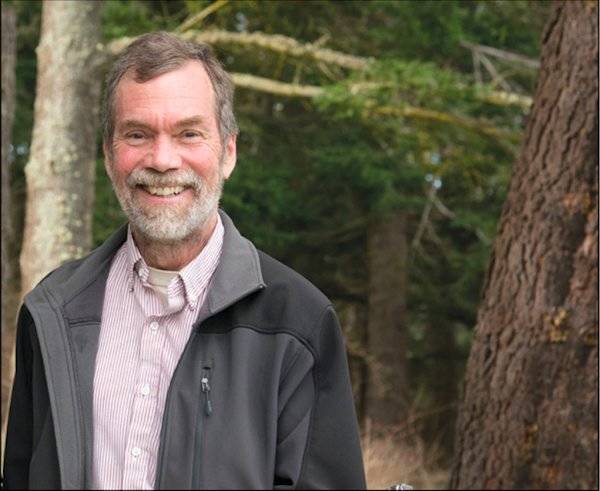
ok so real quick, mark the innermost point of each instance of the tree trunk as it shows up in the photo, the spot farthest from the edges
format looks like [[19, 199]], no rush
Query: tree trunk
[[353, 319], [443, 373], [9, 285], [60, 172], [386, 336], [529, 418]]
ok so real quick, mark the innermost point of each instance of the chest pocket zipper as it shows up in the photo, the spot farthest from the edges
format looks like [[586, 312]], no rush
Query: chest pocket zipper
[[205, 410], [205, 387]]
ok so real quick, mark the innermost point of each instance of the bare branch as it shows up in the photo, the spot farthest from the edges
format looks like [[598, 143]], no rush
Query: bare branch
[[443, 209], [424, 216], [196, 18], [322, 40], [274, 87], [502, 54], [325, 69], [435, 238], [496, 77]]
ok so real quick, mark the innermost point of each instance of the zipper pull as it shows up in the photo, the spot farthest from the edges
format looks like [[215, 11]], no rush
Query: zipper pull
[[205, 386]]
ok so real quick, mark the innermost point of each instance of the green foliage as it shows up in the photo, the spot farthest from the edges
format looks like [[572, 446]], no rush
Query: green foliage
[[399, 83], [126, 19], [131, 18]]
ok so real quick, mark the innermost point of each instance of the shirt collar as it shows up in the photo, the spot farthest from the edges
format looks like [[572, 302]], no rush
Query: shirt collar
[[134, 260], [195, 276]]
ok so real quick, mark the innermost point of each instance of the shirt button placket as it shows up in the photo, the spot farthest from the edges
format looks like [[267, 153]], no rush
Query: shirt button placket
[[154, 327]]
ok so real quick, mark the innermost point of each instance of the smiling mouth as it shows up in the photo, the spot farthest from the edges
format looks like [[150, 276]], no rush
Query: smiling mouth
[[163, 191]]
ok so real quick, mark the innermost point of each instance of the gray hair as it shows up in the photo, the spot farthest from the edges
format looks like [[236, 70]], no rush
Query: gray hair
[[155, 53]]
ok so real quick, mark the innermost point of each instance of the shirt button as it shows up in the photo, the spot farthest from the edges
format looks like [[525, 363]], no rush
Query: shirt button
[[154, 326], [145, 390], [136, 451]]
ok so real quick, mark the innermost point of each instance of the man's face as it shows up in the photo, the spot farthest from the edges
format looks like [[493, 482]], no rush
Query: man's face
[[167, 162]]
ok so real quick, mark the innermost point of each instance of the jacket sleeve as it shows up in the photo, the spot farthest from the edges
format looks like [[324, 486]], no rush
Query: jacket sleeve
[[19, 433], [318, 443]]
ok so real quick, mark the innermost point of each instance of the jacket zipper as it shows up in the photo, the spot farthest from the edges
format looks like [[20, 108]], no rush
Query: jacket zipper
[[205, 387], [205, 401]]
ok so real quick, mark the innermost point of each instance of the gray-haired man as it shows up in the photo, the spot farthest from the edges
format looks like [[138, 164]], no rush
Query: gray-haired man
[[176, 355]]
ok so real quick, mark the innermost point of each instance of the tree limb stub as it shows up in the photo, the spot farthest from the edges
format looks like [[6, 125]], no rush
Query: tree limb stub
[[501, 98]]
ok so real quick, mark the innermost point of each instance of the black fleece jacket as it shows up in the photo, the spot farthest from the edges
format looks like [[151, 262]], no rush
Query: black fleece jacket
[[281, 410]]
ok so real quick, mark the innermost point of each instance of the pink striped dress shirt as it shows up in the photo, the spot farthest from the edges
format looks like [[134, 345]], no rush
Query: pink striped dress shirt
[[141, 341]]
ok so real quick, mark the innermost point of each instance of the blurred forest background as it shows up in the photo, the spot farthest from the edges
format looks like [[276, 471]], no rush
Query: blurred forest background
[[377, 143]]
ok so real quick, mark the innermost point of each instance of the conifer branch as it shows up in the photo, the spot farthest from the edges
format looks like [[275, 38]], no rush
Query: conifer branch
[[273, 42], [310, 91], [289, 46], [280, 44]]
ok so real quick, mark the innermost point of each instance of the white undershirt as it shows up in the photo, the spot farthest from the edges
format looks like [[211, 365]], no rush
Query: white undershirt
[[160, 279]]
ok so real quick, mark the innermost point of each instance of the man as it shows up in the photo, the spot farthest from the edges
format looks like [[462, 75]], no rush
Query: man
[[176, 355]]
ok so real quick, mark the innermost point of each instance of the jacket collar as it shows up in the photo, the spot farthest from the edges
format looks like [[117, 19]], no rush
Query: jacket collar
[[237, 275]]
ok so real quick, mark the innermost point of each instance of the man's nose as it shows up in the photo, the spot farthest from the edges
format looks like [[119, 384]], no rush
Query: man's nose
[[165, 156]]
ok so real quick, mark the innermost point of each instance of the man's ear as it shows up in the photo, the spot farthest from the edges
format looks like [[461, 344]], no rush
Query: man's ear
[[107, 159], [230, 155]]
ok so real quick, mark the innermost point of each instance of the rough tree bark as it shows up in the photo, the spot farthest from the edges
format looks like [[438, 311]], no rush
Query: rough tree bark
[[60, 172], [9, 285], [529, 418], [386, 391]]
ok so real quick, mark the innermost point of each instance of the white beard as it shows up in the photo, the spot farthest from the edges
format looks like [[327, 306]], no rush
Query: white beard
[[170, 223]]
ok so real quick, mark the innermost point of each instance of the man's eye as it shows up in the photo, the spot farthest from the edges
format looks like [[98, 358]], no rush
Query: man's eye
[[190, 134], [135, 136]]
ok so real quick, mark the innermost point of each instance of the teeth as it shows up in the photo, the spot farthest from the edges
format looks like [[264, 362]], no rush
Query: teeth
[[164, 191]]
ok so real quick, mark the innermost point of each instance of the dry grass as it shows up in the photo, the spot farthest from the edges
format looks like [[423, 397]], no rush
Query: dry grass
[[393, 457]]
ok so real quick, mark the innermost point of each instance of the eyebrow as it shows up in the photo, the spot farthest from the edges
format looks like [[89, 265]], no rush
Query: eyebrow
[[134, 123], [192, 121], [131, 124]]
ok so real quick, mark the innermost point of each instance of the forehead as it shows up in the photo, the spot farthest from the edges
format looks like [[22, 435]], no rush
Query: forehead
[[185, 89]]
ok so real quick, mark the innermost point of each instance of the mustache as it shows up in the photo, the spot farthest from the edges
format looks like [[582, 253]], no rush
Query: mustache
[[148, 177]]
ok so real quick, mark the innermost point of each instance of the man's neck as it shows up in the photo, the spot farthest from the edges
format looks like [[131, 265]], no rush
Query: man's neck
[[174, 256]]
